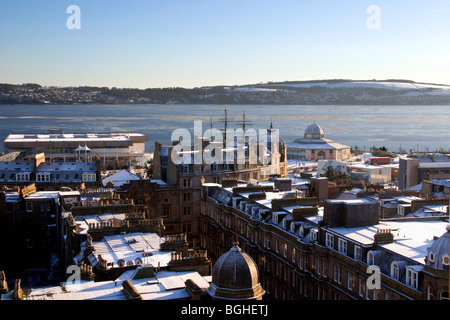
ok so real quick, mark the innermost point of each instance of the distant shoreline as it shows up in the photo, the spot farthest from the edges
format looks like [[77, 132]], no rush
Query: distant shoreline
[[325, 92]]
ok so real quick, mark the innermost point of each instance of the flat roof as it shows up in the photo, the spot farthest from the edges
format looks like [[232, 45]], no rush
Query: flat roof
[[165, 285], [434, 165], [33, 137], [131, 246], [411, 238]]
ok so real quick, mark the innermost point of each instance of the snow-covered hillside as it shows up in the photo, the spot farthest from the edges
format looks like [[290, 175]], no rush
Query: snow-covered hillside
[[393, 85]]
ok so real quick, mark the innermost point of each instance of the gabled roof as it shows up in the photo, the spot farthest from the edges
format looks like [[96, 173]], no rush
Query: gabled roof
[[120, 178]]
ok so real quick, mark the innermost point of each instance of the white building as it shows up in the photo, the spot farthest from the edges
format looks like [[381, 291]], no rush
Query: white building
[[314, 146], [127, 148], [370, 173]]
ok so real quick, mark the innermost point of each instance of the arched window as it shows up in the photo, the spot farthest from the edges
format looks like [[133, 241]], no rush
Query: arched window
[[397, 269], [444, 295], [321, 155], [430, 293], [373, 257]]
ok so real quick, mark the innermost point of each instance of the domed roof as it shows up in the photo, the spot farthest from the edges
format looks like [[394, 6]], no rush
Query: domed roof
[[439, 252], [235, 276], [314, 131]]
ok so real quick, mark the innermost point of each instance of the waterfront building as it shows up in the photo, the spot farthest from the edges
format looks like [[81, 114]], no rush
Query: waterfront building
[[124, 149], [412, 171], [314, 146], [341, 251]]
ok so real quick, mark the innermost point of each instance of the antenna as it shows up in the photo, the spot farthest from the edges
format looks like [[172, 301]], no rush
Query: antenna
[[225, 121], [243, 122]]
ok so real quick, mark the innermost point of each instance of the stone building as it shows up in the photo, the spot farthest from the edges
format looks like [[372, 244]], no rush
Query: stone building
[[343, 251], [179, 189], [314, 146]]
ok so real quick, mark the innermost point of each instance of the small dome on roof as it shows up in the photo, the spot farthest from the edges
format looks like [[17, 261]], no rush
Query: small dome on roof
[[439, 252], [235, 276], [314, 131]]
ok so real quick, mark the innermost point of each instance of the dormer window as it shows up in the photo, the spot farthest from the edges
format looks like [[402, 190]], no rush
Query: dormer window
[[446, 260], [412, 277], [89, 177], [22, 177], [313, 235], [43, 177]]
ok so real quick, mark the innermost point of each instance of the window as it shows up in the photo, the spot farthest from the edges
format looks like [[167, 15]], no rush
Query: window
[[372, 257], [430, 293], [444, 295], [43, 177], [324, 268], [357, 253], [329, 240], [29, 206], [22, 177], [337, 273], [166, 212], [362, 287], [293, 254], [186, 183], [285, 247], [349, 281], [186, 197], [318, 266], [342, 246], [412, 277], [395, 270], [313, 235], [446, 260], [89, 177]]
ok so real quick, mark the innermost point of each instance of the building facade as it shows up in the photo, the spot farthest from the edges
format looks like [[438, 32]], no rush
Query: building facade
[[109, 148], [314, 146], [344, 253]]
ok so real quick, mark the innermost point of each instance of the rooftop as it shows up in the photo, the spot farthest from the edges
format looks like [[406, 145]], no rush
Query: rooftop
[[34, 137], [165, 285], [411, 238], [132, 247]]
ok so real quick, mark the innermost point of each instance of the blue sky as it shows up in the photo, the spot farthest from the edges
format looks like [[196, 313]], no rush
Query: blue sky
[[191, 43]]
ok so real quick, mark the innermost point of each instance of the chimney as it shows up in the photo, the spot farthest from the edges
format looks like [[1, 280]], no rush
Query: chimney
[[283, 184], [38, 159], [384, 236]]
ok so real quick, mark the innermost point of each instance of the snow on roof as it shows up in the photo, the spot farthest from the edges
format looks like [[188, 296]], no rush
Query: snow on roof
[[129, 247], [324, 144], [120, 178], [66, 166], [411, 238]]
